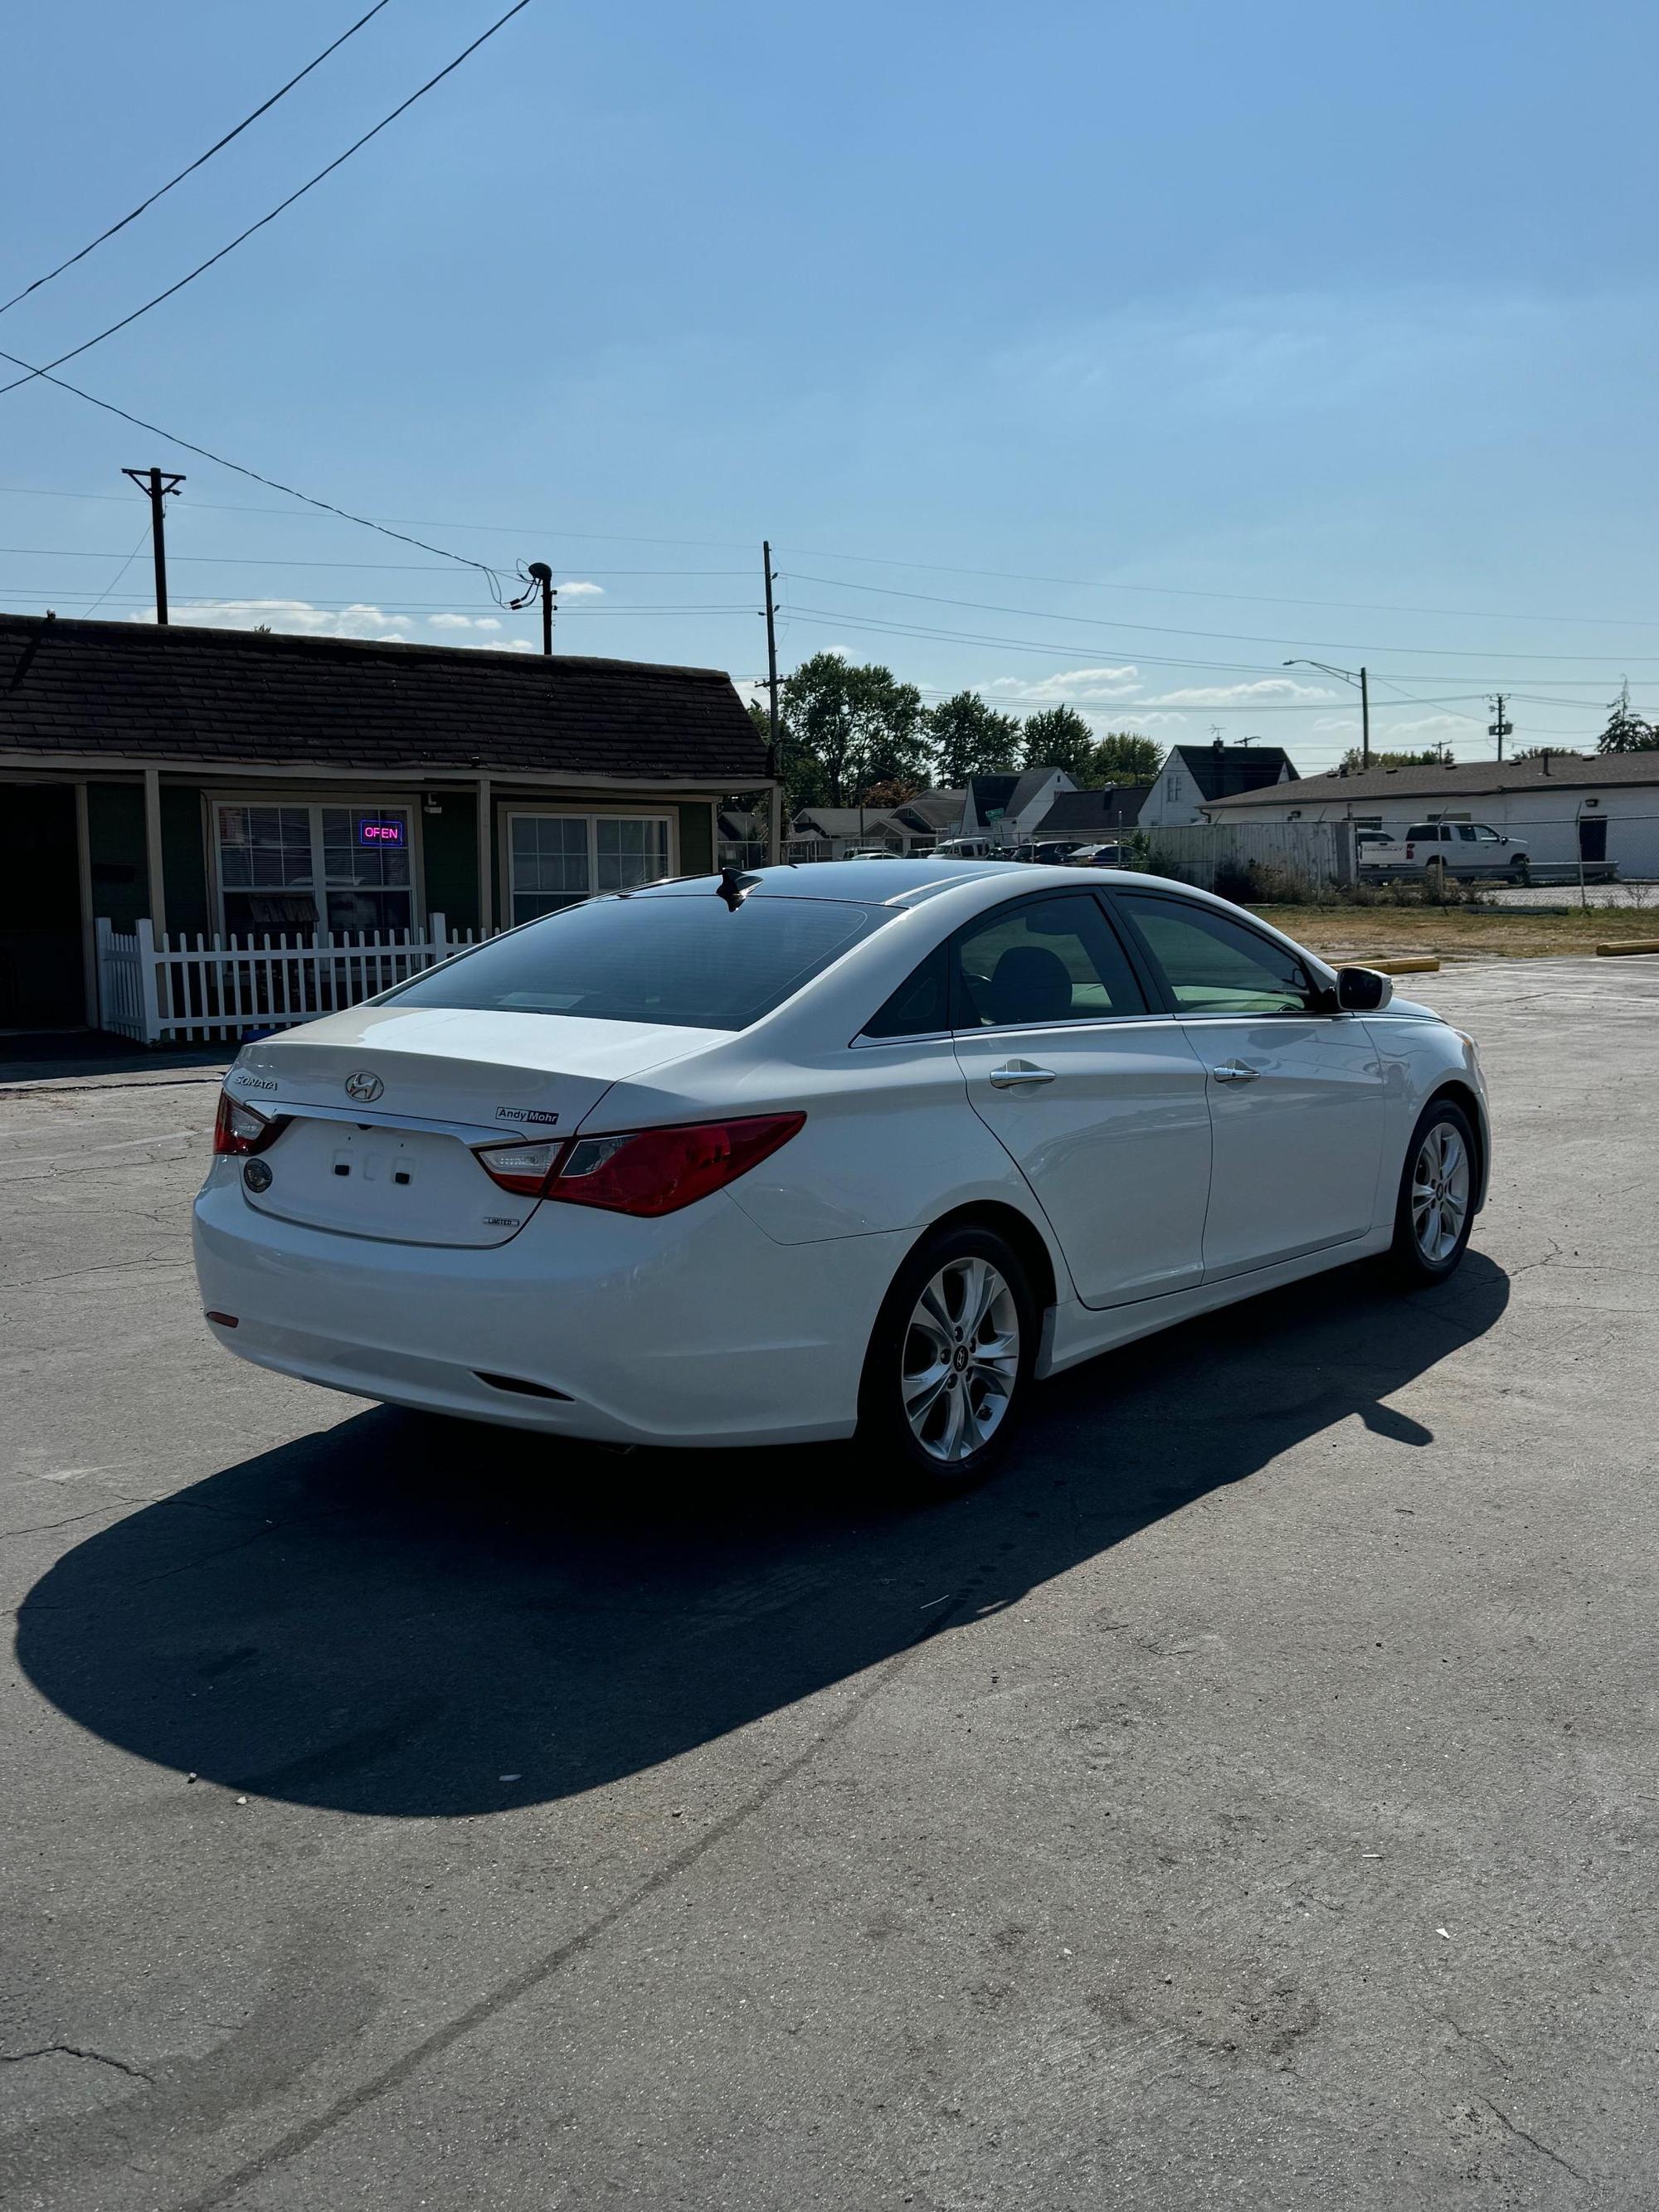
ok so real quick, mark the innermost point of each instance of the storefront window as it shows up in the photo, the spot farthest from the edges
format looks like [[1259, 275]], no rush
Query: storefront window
[[555, 859], [274, 861]]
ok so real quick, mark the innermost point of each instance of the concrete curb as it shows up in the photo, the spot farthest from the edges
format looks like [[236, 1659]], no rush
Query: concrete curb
[[1631, 944]]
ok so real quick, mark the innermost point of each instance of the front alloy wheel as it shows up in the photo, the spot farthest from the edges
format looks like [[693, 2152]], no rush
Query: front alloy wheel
[[1434, 1212], [1440, 1193]]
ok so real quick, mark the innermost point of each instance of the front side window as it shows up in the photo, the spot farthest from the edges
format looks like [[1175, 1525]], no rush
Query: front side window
[[1057, 960], [1214, 966], [690, 961], [554, 859]]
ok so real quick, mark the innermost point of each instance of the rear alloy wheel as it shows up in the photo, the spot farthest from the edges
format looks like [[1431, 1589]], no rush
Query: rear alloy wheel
[[950, 1359], [1436, 1210]]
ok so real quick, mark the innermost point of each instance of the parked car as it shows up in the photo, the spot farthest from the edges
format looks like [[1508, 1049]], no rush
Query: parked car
[[868, 1149], [967, 848], [1465, 850], [1050, 854], [1095, 856], [1372, 847], [871, 852]]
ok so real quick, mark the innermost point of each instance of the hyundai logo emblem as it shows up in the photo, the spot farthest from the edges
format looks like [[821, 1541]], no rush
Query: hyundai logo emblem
[[365, 1086]]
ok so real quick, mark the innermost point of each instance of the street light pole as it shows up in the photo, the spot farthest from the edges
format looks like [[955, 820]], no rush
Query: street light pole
[[1362, 677]]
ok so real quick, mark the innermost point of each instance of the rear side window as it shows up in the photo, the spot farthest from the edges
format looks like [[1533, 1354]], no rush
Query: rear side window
[[690, 961], [1426, 833], [921, 1004], [1056, 960]]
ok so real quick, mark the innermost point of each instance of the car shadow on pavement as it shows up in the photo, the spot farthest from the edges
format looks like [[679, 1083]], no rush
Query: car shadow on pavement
[[407, 1617]]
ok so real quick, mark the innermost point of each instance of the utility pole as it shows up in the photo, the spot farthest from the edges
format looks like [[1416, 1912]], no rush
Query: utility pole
[[540, 578], [157, 483], [775, 745], [1364, 720], [1500, 729]]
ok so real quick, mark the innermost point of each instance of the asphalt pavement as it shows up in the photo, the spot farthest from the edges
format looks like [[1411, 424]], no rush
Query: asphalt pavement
[[1245, 1801]]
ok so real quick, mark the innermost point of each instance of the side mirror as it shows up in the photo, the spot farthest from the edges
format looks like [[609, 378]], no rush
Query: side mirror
[[1362, 990]]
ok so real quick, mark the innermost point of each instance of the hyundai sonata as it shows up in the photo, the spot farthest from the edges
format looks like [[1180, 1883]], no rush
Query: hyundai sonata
[[871, 1147]]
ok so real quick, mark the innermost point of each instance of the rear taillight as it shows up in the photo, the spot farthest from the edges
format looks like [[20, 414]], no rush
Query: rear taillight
[[521, 1168], [238, 1129], [641, 1171]]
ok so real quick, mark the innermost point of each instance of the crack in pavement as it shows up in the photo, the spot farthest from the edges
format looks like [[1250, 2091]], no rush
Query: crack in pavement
[[74, 2051], [301, 2138], [1542, 2148]]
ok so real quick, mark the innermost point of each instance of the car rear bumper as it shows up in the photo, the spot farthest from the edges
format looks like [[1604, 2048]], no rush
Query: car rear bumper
[[696, 1329]]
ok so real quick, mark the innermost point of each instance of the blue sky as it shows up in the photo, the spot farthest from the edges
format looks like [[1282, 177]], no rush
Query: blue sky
[[1075, 352]]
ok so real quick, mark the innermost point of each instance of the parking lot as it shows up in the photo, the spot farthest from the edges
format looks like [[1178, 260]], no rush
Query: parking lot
[[1244, 1802]]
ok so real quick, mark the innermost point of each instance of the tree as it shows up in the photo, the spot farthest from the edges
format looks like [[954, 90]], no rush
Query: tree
[[1059, 737], [971, 738], [1431, 756], [1626, 733], [860, 725], [1547, 752], [1123, 756]]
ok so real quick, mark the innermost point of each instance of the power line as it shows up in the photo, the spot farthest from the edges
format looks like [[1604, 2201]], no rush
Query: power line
[[242, 236], [393, 606], [1165, 629], [835, 618], [278, 561], [218, 147], [493, 576], [1190, 592]]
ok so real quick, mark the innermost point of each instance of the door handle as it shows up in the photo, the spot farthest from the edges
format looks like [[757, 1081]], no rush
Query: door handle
[[1019, 1073], [1235, 1071]]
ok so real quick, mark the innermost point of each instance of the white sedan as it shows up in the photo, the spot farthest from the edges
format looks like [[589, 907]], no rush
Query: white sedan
[[868, 1147]]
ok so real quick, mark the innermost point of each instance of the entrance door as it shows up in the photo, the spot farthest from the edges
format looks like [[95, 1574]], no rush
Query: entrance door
[[1592, 836], [41, 981]]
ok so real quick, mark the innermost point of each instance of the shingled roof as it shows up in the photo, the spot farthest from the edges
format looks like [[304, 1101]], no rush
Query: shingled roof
[[131, 691]]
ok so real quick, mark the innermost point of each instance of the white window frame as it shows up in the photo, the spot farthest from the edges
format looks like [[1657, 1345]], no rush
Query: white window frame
[[407, 804], [509, 809]]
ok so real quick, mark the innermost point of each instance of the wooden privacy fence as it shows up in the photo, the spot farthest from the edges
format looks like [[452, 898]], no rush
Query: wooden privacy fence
[[1313, 856], [168, 990]]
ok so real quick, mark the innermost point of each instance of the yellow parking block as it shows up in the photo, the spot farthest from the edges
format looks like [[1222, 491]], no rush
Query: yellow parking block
[[1629, 944], [1409, 963]]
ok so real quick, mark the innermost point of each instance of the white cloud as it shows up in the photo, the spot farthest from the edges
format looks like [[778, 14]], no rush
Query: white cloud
[[1072, 687], [1270, 690], [298, 616], [577, 589], [450, 621]]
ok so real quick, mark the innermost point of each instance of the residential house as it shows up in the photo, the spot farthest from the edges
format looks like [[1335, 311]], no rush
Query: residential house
[[1603, 806], [1090, 817], [1007, 807], [1193, 775], [223, 781], [929, 817], [830, 833]]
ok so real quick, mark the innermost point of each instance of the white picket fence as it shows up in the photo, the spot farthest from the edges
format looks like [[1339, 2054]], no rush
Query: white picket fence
[[168, 990], [1316, 855]]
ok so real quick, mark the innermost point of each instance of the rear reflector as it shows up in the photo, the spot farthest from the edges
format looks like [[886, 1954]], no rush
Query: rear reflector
[[520, 1389]]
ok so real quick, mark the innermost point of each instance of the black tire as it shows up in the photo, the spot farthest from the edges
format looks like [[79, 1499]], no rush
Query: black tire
[[884, 1425], [1414, 1267]]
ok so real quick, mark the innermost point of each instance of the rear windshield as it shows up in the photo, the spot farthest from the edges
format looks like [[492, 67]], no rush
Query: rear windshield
[[689, 961]]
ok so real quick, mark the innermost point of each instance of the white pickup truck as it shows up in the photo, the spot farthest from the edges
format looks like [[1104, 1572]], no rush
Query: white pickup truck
[[1463, 849]]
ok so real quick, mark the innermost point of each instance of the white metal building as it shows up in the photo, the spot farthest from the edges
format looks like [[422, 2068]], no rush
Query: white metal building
[[1563, 805]]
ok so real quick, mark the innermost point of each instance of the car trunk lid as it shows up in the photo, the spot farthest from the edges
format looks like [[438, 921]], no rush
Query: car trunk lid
[[384, 1109]]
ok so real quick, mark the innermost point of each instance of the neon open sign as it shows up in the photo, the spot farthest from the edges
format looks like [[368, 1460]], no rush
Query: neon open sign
[[370, 832]]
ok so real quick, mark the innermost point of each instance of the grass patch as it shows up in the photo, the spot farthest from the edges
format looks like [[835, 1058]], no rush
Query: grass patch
[[1456, 932]]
